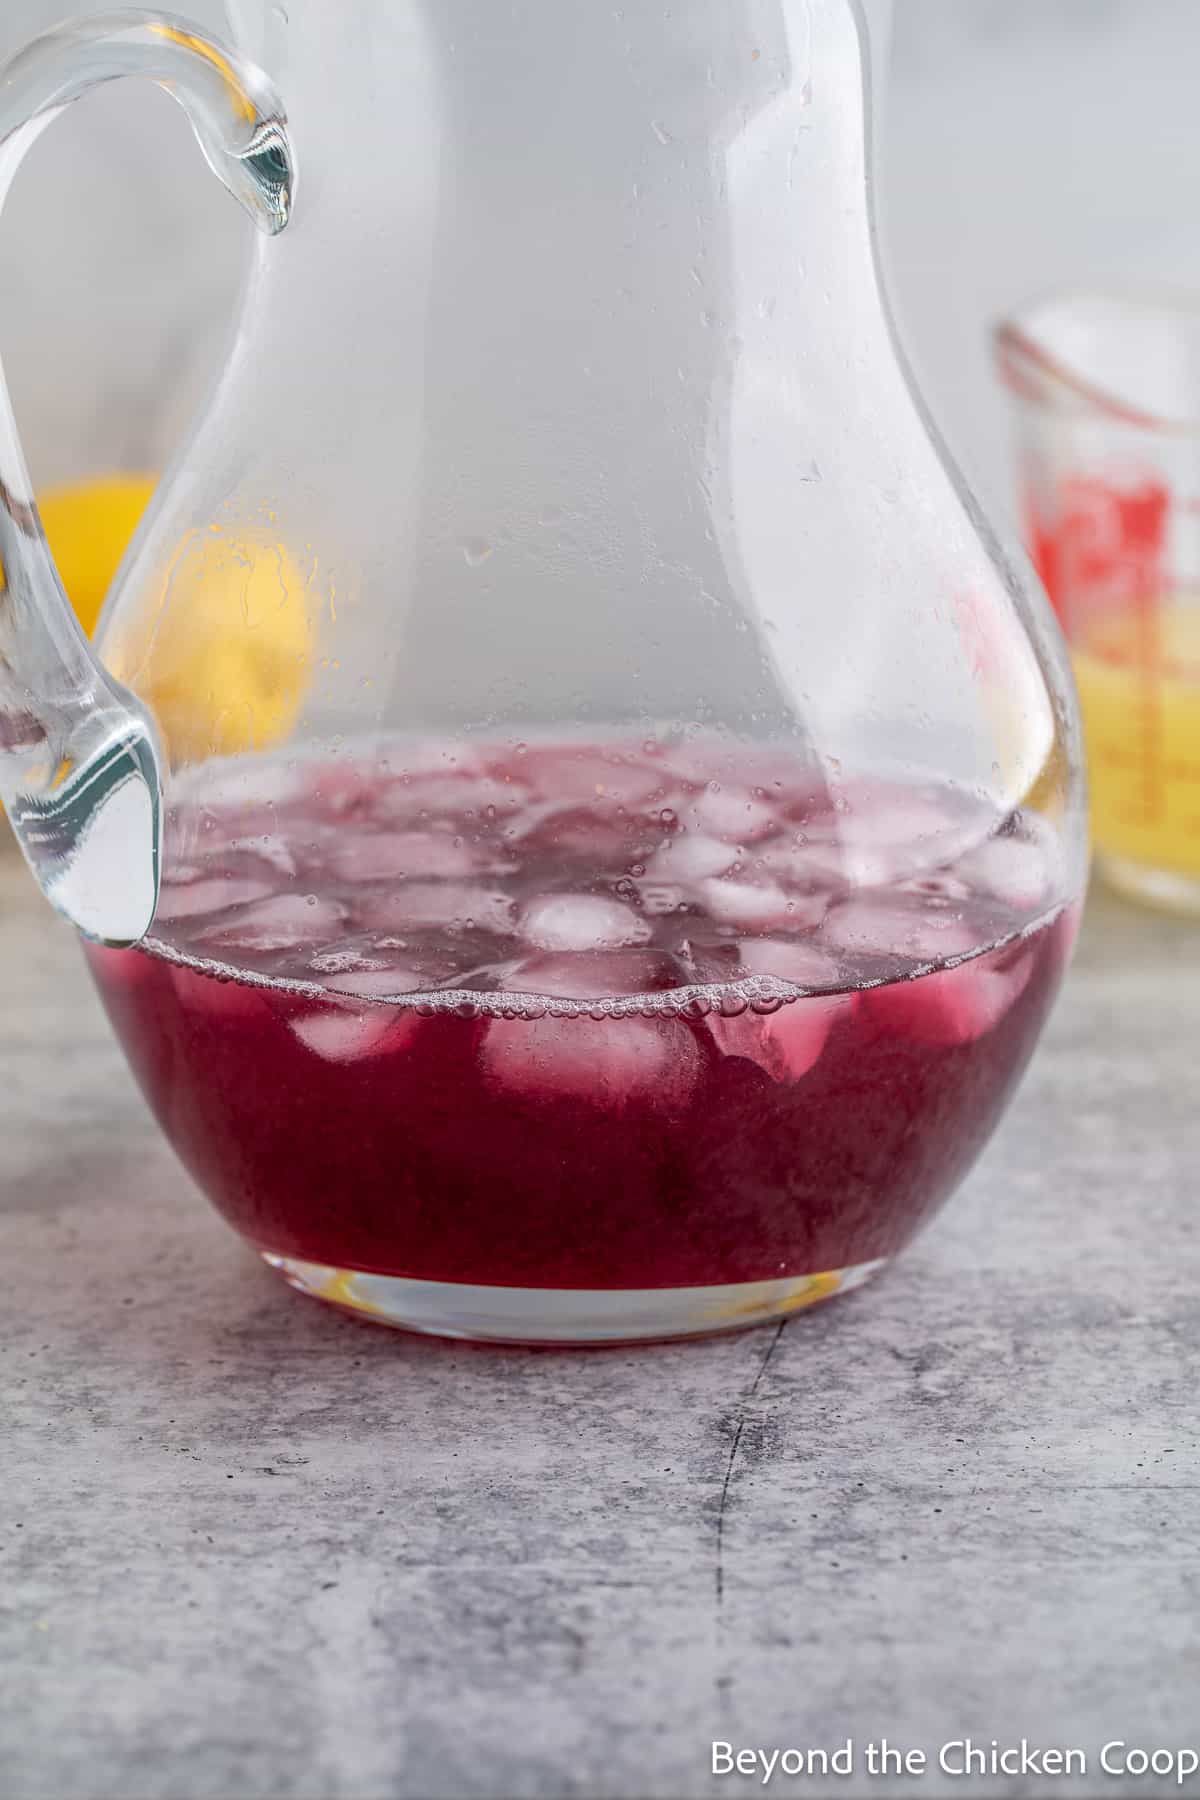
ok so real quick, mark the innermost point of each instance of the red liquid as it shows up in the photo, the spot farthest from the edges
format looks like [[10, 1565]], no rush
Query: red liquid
[[711, 1132]]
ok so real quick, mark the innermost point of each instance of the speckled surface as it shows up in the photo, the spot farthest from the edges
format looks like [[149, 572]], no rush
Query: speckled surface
[[252, 1548]]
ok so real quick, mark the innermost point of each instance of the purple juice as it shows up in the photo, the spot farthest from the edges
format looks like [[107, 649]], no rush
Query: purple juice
[[585, 1016]]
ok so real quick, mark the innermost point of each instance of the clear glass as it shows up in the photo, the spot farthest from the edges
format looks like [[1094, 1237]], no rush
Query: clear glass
[[80, 770], [623, 812], [1106, 392]]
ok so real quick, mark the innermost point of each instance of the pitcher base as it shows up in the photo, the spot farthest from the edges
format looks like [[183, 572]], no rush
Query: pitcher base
[[516, 1315]]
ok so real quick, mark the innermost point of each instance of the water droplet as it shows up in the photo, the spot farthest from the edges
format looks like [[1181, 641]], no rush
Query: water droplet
[[476, 551], [660, 131], [810, 471]]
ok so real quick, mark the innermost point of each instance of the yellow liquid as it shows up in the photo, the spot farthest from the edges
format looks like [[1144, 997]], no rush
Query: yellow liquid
[[1139, 685]]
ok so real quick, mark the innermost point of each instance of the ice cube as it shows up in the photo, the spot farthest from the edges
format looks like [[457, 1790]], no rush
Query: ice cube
[[690, 857], [269, 848], [888, 834], [381, 983], [607, 1064], [877, 927], [1014, 869], [345, 1034], [607, 839], [336, 790], [813, 868], [731, 812], [392, 856], [787, 1043], [566, 774], [450, 905], [954, 1006], [591, 974], [210, 895], [806, 965], [759, 906], [284, 922], [581, 922], [461, 800]]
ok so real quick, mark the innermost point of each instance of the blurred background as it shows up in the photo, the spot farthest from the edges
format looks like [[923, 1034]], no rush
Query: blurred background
[[1027, 144]]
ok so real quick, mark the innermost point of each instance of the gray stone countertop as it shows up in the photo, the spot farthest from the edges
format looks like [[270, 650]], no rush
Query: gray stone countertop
[[252, 1547]]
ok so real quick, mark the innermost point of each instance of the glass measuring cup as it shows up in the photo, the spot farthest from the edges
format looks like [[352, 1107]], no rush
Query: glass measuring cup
[[1106, 388]]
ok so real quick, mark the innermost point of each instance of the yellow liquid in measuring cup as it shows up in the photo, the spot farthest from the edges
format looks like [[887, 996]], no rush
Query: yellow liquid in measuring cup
[[1139, 686]]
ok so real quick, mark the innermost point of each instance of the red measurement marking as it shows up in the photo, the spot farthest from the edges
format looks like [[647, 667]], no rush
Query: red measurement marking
[[1102, 544], [1103, 552]]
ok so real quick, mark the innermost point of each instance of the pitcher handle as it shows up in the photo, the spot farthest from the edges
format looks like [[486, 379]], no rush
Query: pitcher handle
[[80, 763]]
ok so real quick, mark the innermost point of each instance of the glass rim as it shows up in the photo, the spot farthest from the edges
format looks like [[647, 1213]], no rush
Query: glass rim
[[1032, 370]]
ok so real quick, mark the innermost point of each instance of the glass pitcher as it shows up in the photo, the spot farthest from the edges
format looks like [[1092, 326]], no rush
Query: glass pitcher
[[1106, 391], [600, 818]]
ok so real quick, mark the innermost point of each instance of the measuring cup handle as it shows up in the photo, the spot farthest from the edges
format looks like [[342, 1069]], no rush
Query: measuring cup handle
[[80, 766]]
